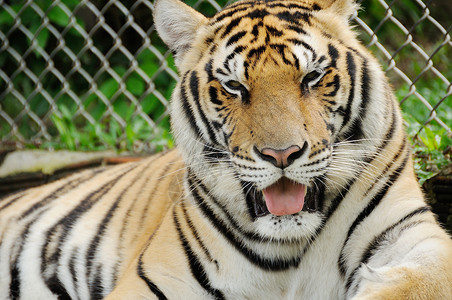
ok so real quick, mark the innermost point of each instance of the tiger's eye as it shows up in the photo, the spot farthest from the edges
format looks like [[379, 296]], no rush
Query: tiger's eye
[[312, 76], [311, 79], [236, 88], [233, 84]]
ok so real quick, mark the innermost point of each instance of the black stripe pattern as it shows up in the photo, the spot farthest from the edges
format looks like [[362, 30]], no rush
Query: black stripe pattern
[[58, 253], [259, 80]]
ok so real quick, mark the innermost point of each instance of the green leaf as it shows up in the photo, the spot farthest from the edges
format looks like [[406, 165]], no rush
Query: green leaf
[[58, 16], [71, 4], [149, 67], [122, 108], [6, 18], [446, 141], [149, 103], [109, 87], [114, 129], [120, 70], [135, 85], [63, 130], [130, 133], [43, 37], [65, 112], [428, 137]]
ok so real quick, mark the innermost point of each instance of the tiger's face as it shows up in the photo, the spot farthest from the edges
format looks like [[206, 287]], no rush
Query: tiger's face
[[263, 101], [268, 89]]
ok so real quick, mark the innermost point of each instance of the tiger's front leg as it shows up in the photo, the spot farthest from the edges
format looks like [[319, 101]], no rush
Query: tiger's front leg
[[132, 288], [138, 285], [427, 275], [160, 270]]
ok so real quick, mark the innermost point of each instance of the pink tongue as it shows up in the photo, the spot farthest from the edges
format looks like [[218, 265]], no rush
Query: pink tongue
[[285, 197]]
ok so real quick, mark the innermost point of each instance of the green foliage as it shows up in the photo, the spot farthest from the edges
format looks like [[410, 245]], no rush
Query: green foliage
[[431, 142], [429, 163], [431, 148], [125, 89], [107, 134]]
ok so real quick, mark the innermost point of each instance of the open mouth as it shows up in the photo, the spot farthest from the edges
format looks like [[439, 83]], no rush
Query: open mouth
[[284, 197]]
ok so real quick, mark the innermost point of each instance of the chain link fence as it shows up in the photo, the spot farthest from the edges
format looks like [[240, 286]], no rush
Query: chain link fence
[[93, 74]]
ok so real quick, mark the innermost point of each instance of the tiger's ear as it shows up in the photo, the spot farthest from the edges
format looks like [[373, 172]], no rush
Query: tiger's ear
[[343, 8], [177, 24]]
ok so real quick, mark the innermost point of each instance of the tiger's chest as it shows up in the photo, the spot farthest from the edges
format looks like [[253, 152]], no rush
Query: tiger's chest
[[235, 277], [314, 279]]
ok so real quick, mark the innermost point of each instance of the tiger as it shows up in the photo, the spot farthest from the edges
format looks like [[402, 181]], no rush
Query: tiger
[[291, 178]]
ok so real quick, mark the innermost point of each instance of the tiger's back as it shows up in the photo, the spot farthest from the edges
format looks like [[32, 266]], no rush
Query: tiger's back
[[81, 232]]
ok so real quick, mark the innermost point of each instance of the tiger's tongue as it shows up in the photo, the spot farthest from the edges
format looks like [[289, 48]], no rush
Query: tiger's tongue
[[284, 197]]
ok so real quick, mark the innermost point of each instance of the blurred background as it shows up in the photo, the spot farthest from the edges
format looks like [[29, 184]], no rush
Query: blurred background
[[93, 75]]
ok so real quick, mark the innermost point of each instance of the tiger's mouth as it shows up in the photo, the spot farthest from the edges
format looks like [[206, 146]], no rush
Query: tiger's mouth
[[284, 197]]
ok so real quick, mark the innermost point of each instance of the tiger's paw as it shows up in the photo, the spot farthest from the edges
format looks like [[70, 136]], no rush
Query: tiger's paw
[[402, 283]]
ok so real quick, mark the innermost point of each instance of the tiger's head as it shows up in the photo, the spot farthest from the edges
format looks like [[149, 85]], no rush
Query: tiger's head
[[269, 112]]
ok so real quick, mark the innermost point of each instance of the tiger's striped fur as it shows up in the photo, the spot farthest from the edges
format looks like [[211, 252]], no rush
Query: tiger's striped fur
[[275, 98]]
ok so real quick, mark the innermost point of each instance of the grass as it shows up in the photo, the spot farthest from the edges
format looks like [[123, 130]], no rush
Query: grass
[[431, 142]]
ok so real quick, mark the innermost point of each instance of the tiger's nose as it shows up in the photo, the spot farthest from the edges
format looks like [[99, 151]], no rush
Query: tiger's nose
[[282, 158]]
